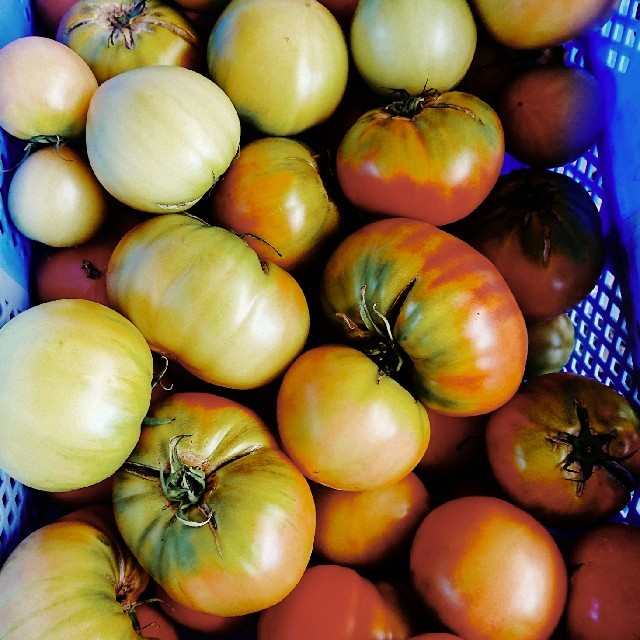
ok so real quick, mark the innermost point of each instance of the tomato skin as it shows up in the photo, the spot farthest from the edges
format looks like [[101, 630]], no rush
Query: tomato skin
[[262, 516], [435, 165], [80, 386], [49, 14], [45, 89], [529, 25], [346, 426], [551, 343], [528, 460], [273, 190], [458, 324], [603, 569], [239, 332], [543, 232], [69, 205], [367, 528], [175, 116], [412, 44], [80, 554], [551, 114], [488, 570], [284, 64], [159, 33], [332, 601]]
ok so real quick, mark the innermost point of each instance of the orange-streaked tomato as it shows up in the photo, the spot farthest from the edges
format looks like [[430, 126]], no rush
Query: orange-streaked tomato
[[404, 290], [434, 157]]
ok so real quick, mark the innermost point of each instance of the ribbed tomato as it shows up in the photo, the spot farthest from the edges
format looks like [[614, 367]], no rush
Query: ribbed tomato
[[405, 291], [214, 511]]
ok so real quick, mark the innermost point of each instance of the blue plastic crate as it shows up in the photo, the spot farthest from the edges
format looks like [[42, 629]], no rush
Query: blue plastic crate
[[607, 322]]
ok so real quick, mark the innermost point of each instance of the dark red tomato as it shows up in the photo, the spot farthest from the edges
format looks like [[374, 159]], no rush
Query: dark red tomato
[[603, 584], [456, 444], [566, 448], [154, 624], [433, 157], [435, 636], [332, 601], [551, 115], [343, 10], [543, 232], [489, 571]]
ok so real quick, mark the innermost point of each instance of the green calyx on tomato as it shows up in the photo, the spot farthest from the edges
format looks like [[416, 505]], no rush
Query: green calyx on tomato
[[588, 449], [408, 106], [377, 341]]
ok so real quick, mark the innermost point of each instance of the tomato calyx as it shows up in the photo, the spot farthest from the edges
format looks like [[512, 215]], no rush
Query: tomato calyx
[[408, 106], [588, 450], [39, 142], [376, 340]]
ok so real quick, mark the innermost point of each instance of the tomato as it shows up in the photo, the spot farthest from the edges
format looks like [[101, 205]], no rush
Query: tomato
[[154, 624], [343, 10], [80, 271], [219, 517], [488, 570], [543, 232], [68, 206], [213, 305], [78, 385], [565, 448], [435, 636], [344, 424], [434, 157], [49, 13], [273, 195], [551, 114], [408, 292], [456, 445], [159, 137], [45, 89], [198, 620], [522, 24], [332, 601], [74, 578], [412, 44], [603, 569], [99, 493], [365, 528], [115, 37], [283, 63], [551, 344]]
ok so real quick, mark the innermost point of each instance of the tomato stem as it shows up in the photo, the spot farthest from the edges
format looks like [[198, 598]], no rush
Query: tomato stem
[[408, 106]]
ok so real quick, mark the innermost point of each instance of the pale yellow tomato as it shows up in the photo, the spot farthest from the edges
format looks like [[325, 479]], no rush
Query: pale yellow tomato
[[283, 63], [54, 198]]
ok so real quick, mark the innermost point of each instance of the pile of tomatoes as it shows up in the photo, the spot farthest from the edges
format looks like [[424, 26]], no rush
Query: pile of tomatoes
[[294, 363]]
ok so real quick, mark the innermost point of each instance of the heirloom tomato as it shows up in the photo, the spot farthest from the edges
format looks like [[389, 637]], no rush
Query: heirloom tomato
[[113, 37], [523, 24], [364, 528], [543, 232], [433, 157], [415, 297], [214, 511], [345, 424], [332, 601], [412, 44], [274, 196], [551, 343], [603, 594], [566, 448], [73, 578], [159, 137], [283, 63], [45, 89], [69, 205], [154, 624], [551, 114], [76, 388], [488, 570], [200, 295]]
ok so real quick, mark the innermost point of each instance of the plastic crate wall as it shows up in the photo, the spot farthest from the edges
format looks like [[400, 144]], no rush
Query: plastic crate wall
[[606, 322]]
